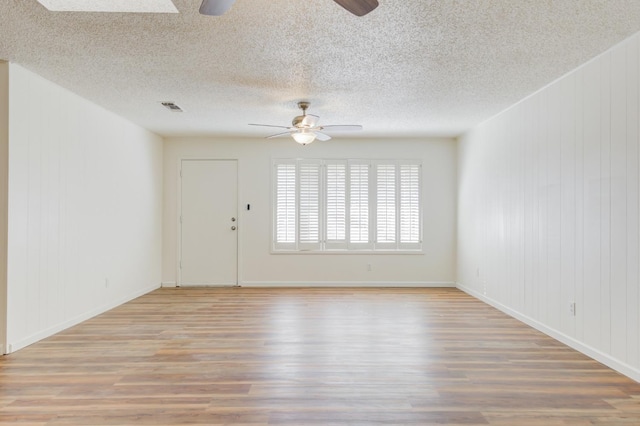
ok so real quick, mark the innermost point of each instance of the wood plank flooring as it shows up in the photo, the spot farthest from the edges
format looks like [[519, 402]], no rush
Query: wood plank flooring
[[309, 357]]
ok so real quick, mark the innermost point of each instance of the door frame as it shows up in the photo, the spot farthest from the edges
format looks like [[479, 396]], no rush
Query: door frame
[[179, 214]]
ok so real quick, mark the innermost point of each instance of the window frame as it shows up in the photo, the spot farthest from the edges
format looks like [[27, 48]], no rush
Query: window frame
[[344, 245]]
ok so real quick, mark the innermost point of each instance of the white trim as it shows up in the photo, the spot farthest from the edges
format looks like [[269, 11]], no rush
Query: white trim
[[347, 284], [168, 284], [199, 285], [14, 346], [597, 355], [350, 251]]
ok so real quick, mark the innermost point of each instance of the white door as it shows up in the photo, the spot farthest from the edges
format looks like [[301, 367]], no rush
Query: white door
[[209, 223]]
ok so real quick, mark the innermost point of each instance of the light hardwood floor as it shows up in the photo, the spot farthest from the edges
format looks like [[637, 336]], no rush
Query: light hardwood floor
[[309, 357]]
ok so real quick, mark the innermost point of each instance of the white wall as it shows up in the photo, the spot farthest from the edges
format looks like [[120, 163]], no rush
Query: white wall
[[436, 266], [85, 200], [548, 213], [4, 155]]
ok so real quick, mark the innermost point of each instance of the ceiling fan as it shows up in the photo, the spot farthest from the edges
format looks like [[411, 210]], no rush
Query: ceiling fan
[[305, 128], [220, 7]]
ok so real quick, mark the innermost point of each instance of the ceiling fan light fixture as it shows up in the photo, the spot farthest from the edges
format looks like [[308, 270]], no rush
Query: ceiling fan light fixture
[[305, 129], [304, 138]]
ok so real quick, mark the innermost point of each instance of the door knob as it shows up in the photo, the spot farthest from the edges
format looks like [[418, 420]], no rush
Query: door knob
[[233, 228]]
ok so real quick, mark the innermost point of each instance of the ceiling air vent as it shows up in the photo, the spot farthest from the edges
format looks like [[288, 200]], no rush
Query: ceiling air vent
[[172, 107]]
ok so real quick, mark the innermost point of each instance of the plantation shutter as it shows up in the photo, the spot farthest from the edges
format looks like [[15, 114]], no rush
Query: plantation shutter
[[410, 206], [386, 205], [309, 205], [359, 204], [340, 204], [285, 205], [336, 204]]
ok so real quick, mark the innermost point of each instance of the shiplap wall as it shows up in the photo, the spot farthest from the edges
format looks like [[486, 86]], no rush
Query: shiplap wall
[[85, 209], [548, 209]]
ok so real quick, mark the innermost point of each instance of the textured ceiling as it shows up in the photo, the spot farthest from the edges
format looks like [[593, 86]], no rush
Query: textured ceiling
[[409, 68]]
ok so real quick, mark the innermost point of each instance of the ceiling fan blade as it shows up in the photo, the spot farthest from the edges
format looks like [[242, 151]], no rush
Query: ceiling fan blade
[[215, 7], [342, 128], [309, 120], [271, 125], [277, 135], [322, 136], [358, 7]]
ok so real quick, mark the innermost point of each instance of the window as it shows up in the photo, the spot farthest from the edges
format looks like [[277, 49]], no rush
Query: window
[[346, 205], [285, 226]]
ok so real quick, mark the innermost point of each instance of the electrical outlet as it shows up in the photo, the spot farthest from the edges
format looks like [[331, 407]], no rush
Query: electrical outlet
[[572, 308]]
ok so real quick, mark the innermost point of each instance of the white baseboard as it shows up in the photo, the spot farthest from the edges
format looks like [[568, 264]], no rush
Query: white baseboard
[[50, 331], [207, 285], [346, 284], [168, 284], [591, 352]]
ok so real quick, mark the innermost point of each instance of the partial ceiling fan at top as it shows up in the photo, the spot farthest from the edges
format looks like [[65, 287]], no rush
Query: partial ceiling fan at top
[[304, 128], [220, 7]]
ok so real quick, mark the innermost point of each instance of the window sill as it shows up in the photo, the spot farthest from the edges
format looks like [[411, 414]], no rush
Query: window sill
[[350, 252]]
